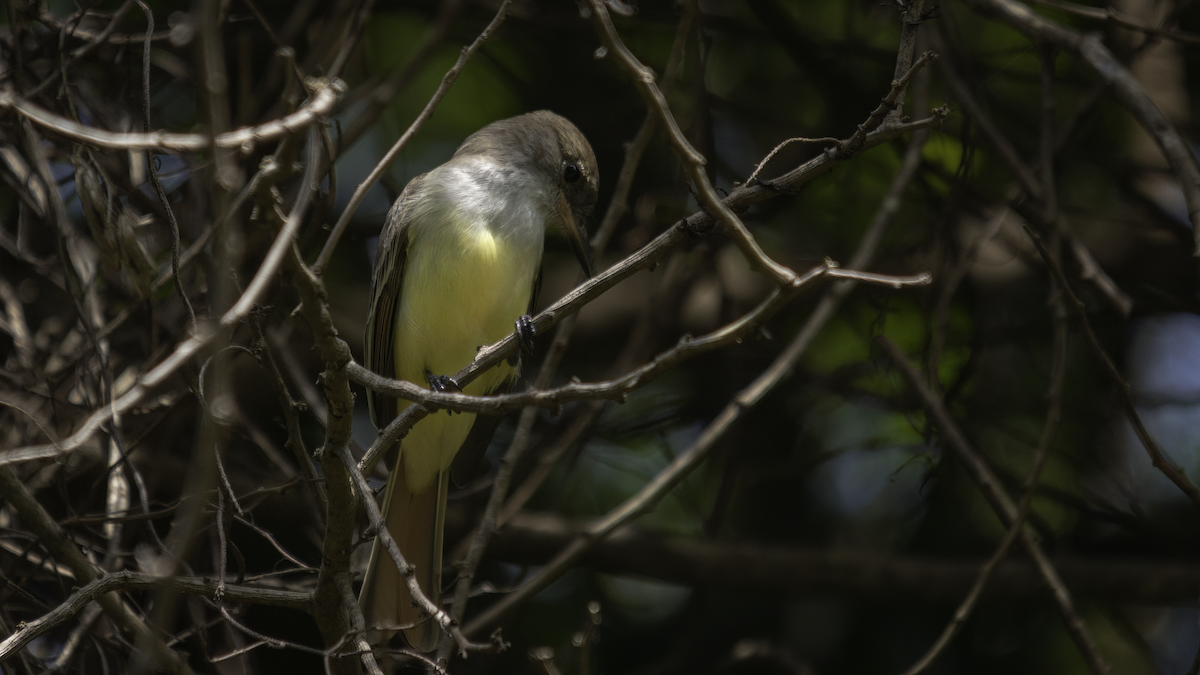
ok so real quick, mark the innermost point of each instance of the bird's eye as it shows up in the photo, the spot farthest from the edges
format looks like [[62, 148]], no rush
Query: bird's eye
[[571, 173]]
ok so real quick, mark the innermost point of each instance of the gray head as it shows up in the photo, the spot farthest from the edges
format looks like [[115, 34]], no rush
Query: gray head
[[550, 145]]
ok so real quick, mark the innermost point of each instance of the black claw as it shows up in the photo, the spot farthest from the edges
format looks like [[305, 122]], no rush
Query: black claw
[[525, 333], [443, 384]]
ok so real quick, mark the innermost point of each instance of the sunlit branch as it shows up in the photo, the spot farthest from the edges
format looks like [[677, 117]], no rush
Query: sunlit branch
[[325, 95]]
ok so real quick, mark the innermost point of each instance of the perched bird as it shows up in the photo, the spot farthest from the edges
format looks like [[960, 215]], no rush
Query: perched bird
[[458, 267]]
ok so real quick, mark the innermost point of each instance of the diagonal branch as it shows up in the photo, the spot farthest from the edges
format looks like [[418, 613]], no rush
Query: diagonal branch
[[361, 191], [645, 499], [1128, 90], [644, 79], [989, 484], [1157, 458], [58, 542]]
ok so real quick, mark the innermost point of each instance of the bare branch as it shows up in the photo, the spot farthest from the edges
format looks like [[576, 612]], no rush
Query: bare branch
[[1129, 91], [614, 390], [184, 352], [448, 79], [1054, 395], [693, 160], [803, 572], [113, 582], [1111, 15], [1157, 458], [325, 96], [1000, 502], [653, 492], [59, 543]]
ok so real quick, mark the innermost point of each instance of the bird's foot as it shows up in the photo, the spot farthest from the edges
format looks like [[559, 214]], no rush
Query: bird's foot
[[525, 334], [443, 384]]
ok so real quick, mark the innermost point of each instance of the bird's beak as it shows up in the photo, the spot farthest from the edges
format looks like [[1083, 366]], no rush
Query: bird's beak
[[577, 234]]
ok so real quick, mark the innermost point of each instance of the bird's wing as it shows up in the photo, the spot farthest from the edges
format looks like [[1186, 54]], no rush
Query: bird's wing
[[390, 257]]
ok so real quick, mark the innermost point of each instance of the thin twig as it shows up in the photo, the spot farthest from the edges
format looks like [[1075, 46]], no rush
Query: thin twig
[[183, 353], [774, 151], [1157, 458], [1110, 14], [694, 162], [360, 192], [1129, 92], [645, 499], [153, 171], [983, 476], [1054, 396], [1027, 179]]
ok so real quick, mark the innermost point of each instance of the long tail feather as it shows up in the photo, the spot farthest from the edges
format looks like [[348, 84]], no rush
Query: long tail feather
[[415, 522]]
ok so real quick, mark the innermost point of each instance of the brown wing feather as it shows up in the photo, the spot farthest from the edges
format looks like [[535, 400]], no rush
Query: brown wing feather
[[390, 257], [411, 520]]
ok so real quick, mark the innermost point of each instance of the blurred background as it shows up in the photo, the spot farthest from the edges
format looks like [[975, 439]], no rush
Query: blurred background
[[831, 530]]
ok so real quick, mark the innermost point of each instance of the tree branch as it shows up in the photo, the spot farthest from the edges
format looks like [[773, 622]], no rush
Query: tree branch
[[325, 96]]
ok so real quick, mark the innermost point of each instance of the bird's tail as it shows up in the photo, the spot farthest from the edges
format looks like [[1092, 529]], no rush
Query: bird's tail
[[415, 522]]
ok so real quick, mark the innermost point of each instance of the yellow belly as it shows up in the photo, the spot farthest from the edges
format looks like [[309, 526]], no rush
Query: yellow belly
[[459, 293]]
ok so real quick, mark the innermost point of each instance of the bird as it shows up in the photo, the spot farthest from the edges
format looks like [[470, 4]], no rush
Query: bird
[[458, 267]]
